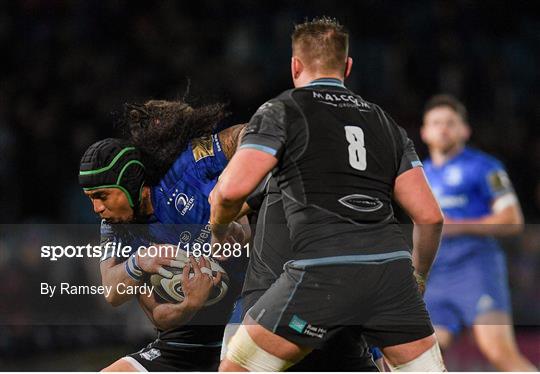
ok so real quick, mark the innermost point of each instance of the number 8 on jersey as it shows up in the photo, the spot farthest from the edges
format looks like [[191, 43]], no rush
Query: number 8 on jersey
[[357, 151]]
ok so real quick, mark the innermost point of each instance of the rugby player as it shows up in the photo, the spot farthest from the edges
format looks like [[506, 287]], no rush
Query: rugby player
[[468, 287], [338, 161], [153, 188]]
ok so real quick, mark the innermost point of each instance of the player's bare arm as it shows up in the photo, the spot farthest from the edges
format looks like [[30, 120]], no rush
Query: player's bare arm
[[230, 139], [114, 273], [196, 289], [413, 193], [245, 171], [506, 219]]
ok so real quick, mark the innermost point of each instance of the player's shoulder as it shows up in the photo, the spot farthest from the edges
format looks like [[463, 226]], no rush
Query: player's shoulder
[[481, 159], [180, 165], [278, 107], [427, 163], [284, 99], [191, 160], [388, 122], [377, 108], [286, 95]]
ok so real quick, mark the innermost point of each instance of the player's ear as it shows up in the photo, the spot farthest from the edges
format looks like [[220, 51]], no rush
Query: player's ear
[[296, 67], [348, 66]]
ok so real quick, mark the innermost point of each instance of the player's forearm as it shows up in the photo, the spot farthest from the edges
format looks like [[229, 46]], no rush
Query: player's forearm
[[426, 239], [112, 275], [482, 228], [413, 193], [225, 212], [504, 223], [221, 216], [224, 209], [168, 316]]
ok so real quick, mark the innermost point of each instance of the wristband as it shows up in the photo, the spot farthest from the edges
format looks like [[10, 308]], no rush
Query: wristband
[[133, 269], [420, 279]]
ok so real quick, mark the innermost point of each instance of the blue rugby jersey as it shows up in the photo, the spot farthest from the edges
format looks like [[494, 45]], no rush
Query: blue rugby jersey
[[181, 197], [465, 187]]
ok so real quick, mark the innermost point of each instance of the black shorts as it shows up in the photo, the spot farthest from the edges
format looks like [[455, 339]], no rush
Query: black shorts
[[308, 305], [344, 352], [166, 356]]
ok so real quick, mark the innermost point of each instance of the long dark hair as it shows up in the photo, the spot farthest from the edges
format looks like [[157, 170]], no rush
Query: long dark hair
[[162, 129]]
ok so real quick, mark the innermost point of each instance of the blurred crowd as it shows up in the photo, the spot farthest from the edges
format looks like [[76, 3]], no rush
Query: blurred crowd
[[69, 65]]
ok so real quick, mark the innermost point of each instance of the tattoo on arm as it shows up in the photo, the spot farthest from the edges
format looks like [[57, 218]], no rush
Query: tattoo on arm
[[230, 139]]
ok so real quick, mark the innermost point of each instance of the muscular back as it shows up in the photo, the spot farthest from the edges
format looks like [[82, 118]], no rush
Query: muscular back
[[339, 156]]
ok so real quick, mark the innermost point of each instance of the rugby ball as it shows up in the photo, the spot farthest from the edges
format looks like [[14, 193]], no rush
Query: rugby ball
[[171, 291]]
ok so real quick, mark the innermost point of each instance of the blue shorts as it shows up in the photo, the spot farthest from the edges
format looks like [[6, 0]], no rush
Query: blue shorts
[[457, 295], [236, 316], [375, 353]]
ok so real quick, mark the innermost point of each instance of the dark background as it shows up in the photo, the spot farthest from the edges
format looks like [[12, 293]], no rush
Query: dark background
[[66, 65]]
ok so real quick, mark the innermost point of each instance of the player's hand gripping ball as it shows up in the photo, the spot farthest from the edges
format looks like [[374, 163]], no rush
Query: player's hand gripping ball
[[171, 289]]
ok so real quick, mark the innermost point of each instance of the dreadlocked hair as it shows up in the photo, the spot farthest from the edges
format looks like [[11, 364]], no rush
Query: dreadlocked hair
[[162, 129]]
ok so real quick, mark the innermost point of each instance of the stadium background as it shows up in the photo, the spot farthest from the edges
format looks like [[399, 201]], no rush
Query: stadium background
[[67, 65]]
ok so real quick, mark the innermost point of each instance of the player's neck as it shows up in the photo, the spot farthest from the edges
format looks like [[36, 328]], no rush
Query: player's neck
[[307, 78], [440, 157]]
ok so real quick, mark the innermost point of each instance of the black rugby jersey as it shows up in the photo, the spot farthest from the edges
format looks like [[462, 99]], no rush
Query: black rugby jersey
[[271, 246], [339, 157]]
